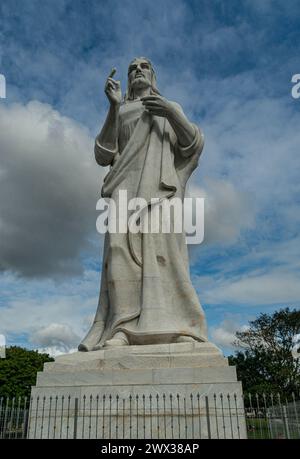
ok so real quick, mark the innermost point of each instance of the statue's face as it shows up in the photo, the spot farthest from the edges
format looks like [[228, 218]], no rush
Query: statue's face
[[139, 74]]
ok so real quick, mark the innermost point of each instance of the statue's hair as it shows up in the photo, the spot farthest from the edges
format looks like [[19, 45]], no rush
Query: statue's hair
[[154, 89]]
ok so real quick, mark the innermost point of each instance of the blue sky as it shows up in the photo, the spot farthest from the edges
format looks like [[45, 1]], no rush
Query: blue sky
[[229, 64]]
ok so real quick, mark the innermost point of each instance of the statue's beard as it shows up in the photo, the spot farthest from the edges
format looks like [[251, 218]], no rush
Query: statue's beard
[[140, 82]]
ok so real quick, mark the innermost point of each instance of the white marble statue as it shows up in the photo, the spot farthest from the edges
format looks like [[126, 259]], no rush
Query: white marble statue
[[151, 147]]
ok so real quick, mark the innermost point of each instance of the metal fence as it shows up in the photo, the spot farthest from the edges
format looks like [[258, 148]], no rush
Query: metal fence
[[14, 417], [197, 416], [272, 416]]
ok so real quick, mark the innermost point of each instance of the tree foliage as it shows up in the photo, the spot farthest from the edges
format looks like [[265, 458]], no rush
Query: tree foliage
[[18, 371], [264, 361]]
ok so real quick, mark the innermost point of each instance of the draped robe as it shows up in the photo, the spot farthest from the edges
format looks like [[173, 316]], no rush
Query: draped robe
[[146, 291]]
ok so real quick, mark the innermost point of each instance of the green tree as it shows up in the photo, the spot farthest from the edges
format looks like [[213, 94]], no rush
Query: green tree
[[18, 371], [264, 361]]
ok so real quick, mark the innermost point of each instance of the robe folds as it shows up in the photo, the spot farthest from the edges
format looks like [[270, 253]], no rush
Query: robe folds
[[146, 290]]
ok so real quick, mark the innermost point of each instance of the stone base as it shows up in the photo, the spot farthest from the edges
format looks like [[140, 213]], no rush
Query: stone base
[[184, 390]]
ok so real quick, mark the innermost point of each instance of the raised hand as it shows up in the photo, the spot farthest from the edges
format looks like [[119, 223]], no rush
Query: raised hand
[[158, 105], [113, 89]]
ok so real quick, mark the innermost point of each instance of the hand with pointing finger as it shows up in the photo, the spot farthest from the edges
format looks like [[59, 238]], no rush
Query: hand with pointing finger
[[113, 89]]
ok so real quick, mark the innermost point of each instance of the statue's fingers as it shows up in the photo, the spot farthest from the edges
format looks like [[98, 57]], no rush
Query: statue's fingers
[[152, 97], [151, 103], [153, 107], [112, 72], [109, 86], [155, 111], [110, 80], [116, 83]]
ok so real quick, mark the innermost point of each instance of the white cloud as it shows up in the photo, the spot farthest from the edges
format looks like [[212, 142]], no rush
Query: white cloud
[[224, 334], [50, 184], [49, 312], [55, 334], [227, 211], [272, 288], [266, 273], [55, 351]]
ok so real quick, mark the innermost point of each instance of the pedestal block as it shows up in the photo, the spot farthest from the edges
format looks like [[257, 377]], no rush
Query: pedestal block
[[184, 390]]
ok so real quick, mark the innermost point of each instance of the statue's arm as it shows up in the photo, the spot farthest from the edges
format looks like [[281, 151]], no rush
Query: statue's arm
[[183, 129], [106, 144], [189, 137]]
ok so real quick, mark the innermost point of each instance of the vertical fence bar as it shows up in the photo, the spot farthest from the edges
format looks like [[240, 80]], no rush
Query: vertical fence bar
[[281, 412], [185, 418], [55, 415], [75, 417], [49, 415], [165, 419], [266, 416], [270, 419], [286, 422], [207, 417], [237, 416], [18, 417], [157, 415], [117, 416], [62, 416], [151, 427], [137, 415], [83, 416], [90, 416], [130, 414], [110, 420], [103, 417], [68, 417], [123, 417], [199, 414], [296, 414], [1, 416], [192, 414], [171, 411], [43, 417], [216, 415], [26, 416], [97, 415], [10, 422], [259, 413], [144, 415], [178, 415], [5, 417], [223, 418], [273, 416], [230, 415]]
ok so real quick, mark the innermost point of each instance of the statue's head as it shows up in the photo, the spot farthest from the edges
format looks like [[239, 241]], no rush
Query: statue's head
[[141, 74]]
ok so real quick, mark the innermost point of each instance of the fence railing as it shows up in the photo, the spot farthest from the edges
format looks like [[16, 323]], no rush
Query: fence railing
[[197, 416], [271, 416]]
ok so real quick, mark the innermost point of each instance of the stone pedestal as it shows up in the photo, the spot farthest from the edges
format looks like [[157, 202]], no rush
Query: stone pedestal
[[185, 390]]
